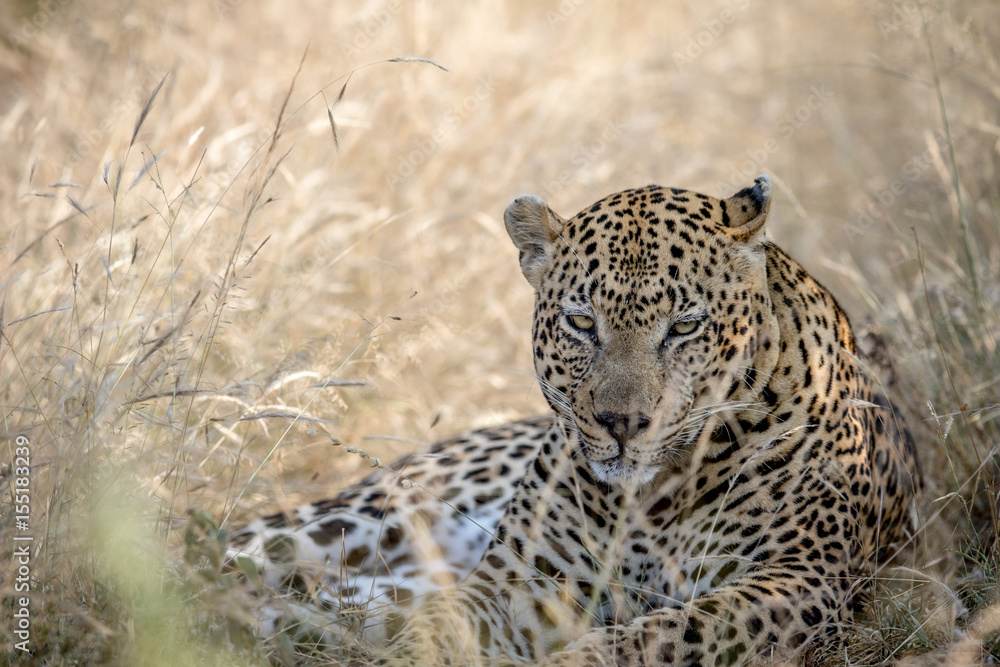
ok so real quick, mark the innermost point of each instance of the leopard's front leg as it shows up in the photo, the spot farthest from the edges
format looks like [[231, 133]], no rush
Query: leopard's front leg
[[515, 606], [485, 620]]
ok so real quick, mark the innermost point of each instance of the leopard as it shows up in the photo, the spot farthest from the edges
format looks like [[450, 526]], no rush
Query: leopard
[[720, 474]]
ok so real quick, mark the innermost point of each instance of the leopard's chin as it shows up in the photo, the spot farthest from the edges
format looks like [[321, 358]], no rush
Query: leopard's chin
[[622, 471]]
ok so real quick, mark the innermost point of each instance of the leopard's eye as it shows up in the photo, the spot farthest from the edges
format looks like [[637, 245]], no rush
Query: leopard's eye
[[582, 322], [683, 328]]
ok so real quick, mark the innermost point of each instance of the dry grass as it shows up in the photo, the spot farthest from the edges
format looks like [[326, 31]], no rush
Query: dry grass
[[163, 320]]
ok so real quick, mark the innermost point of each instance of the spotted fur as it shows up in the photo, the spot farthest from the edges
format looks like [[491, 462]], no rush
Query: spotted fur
[[720, 472], [349, 566]]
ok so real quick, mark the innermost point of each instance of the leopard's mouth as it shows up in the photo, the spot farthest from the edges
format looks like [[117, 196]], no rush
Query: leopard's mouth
[[621, 470], [639, 465]]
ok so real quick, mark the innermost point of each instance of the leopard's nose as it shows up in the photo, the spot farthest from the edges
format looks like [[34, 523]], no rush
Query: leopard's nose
[[622, 427]]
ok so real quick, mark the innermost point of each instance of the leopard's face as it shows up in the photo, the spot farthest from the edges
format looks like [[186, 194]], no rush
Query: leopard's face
[[651, 306]]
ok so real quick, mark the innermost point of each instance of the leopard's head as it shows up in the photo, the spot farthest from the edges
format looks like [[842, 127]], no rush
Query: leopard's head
[[651, 307]]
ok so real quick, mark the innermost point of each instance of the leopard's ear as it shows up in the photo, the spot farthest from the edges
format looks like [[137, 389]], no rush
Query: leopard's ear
[[533, 227], [744, 213]]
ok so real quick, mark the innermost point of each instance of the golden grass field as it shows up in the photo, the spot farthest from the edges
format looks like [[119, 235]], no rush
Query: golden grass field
[[180, 275]]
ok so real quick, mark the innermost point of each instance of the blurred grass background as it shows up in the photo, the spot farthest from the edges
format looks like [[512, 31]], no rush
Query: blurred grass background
[[175, 291]]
